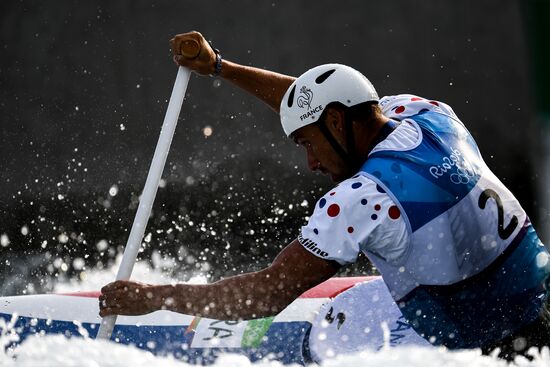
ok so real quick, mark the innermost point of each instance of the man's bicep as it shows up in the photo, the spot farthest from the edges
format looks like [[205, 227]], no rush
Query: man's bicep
[[301, 269]]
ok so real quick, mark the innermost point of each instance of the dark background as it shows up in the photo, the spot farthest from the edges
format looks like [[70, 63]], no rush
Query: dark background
[[84, 87]]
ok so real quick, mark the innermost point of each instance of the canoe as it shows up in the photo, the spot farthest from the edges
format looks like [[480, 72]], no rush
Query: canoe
[[341, 315]]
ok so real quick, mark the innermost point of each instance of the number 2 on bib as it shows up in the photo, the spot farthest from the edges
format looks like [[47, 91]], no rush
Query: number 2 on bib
[[503, 232]]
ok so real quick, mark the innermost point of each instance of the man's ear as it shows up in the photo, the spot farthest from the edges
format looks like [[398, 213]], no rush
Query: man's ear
[[335, 119]]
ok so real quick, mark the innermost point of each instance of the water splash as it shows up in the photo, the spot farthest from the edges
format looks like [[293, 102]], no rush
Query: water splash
[[57, 350]]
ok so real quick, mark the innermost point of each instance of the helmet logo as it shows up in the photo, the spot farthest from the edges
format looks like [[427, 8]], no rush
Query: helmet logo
[[305, 98]]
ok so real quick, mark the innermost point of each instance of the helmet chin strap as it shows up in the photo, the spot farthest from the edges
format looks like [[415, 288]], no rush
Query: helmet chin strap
[[354, 160], [349, 157]]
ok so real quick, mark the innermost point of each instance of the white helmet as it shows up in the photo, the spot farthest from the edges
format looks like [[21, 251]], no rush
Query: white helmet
[[306, 99]]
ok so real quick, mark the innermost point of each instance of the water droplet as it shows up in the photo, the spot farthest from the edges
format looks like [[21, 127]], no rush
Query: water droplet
[[113, 190], [4, 240], [78, 263], [207, 131], [542, 259], [102, 245]]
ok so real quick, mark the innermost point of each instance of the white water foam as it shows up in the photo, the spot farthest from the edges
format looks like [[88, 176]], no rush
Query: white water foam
[[93, 280], [58, 351]]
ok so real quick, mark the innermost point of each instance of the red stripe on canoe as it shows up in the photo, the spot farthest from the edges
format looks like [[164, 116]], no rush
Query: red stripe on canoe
[[328, 289], [334, 286]]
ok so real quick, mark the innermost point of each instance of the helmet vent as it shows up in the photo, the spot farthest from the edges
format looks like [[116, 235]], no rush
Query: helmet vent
[[290, 101], [321, 78]]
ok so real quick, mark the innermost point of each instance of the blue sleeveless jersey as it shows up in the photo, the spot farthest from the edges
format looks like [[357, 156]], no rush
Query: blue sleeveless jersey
[[474, 270]]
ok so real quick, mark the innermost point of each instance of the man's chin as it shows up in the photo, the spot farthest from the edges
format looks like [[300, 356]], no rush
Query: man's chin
[[337, 178]]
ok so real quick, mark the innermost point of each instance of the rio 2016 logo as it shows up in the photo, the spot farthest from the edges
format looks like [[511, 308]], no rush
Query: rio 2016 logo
[[464, 171], [462, 176]]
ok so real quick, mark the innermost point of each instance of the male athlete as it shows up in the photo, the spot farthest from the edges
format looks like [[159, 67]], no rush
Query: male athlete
[[456, 250]]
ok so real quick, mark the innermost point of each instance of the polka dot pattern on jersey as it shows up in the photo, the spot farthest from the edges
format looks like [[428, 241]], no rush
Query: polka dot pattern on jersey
[[333, 210], [394, 212]]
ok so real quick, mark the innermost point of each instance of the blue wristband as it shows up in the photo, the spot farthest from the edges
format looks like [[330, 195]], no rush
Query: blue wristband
[[218, 64]]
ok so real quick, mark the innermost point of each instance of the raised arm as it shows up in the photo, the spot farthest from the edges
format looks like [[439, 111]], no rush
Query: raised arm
[[268, 86], [248, 296]]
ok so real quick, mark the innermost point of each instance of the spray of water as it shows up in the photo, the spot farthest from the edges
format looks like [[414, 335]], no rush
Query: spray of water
[[57, 350]]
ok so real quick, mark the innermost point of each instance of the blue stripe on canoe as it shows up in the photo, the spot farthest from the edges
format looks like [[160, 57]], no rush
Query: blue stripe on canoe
[[283, 341]]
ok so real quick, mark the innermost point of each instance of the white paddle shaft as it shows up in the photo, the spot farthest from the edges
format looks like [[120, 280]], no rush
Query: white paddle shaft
[[150, 190]]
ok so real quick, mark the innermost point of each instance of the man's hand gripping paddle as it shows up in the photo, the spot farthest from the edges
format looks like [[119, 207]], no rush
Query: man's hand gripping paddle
[[189, 49]]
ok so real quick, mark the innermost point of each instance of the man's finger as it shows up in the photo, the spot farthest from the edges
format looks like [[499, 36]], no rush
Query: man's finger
[[119, 284], [107, 311], [180, 60], [173, 45], [108, 301], [109, 288]]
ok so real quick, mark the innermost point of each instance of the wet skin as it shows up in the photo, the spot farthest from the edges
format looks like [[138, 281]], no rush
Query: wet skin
[[321, 156]]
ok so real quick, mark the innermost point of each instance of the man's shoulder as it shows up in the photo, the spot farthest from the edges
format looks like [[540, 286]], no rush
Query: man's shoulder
[[398, 107], [351, 192]]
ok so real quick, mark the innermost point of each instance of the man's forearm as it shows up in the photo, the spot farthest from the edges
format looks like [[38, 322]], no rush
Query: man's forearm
[[248, 296], [268, 86]]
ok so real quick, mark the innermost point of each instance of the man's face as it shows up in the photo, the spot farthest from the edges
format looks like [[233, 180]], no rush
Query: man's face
[[320, 154]]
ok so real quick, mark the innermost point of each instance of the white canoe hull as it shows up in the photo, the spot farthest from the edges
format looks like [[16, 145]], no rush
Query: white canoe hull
[[330, 319]]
